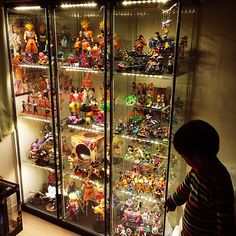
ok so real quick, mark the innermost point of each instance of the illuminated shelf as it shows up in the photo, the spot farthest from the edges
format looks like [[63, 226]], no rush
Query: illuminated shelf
[[35, 118], [40, 167], [81, 69], [33, 66], [162, 142], [96, 183], [93, 129], [144, 75], [139, 196]]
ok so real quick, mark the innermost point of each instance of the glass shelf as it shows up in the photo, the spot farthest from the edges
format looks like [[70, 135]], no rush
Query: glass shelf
[[80, 69], [95, 183], [40, 167], [154, 141], [164, 76], [36, 118], [93, 129], [35, 66]]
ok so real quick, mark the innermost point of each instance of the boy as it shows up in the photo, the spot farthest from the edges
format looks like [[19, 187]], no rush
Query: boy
[[207, 189]]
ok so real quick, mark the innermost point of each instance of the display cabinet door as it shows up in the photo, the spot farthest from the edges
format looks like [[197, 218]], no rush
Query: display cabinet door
[[145, 39], [182, 101], [34, 95], [84, 105]]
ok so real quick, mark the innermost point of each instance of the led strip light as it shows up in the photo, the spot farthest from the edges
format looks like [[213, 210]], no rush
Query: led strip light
[[81, 5], [127, 3]]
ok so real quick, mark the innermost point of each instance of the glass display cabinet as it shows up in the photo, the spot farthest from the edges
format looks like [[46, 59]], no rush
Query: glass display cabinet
[[34, 98], [82, 63], [10, 208], [99, 90]]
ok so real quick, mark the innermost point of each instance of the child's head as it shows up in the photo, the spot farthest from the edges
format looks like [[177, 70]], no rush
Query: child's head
[[197, 138]]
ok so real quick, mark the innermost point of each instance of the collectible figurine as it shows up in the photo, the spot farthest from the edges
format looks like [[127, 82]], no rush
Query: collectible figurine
[[65, 37], [139, 44], [96, 111], [42, 38], [23, 106], [182, 45], [30, 38], [15, 38], [100, 209], [51, 194], [86, 33], [88, 92], [88, 191], [51, 178], [74, 101], [73, 207]]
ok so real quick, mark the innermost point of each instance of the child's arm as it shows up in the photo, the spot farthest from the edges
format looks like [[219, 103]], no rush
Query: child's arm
[[180, 196], [224, 199]]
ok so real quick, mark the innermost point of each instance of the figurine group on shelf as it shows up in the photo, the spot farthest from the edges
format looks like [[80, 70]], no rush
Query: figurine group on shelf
[[83, 50], [41, 150], [38, 101], [84, 100], [28, 45], [138, 220]]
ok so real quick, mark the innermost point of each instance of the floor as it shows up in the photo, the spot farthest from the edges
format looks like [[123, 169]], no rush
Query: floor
[[34, 226]]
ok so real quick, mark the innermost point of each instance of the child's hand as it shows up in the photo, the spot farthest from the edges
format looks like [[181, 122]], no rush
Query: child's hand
[[170, 205]]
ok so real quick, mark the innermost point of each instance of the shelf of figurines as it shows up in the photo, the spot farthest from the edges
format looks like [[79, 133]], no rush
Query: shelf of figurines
[[92, 70]]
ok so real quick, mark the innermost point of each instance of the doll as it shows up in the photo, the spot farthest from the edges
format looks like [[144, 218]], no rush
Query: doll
[[30, 38]]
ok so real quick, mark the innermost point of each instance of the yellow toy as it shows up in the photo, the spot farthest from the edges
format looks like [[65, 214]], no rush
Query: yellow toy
[[100, 209], [86, 33], [30, 38]]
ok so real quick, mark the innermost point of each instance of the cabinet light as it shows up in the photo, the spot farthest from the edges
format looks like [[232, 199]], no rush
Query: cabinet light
[[27, 8], [89, 4], [126, 3]]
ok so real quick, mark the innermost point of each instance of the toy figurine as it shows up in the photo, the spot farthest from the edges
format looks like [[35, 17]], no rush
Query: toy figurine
[[96, 111], [88, 190], [182, 45], [86, 33], [15, 38], [42, 38], [73, 207], [51, 194], [65, 37], [74, 101], [51, 178], [30, 38], [100, 209], [139, 44], [35, 108], [23, 106], [87, 92]]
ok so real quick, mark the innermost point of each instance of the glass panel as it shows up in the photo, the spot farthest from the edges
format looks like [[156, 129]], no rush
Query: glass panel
[[143, 84], [80, 40], [28, 41], [182, 104], [10, 208]]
